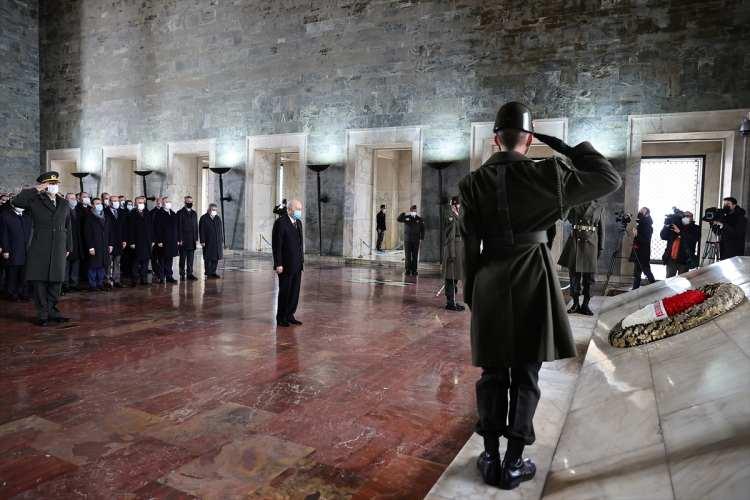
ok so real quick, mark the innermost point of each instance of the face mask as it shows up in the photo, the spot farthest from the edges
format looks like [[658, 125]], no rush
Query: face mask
[[86, 201], [141, 206], [19, 210], [685, 221], [98, 208], [727, 208], [413, 214], [168, 206], [53, 188], [106, 202], [188, 205], [213, 213], [129, 207], [297, 214], [72, 203], [115, 205]]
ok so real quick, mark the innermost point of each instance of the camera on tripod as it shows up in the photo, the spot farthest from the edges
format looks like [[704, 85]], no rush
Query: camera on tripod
[[714, 214], [675, 218]]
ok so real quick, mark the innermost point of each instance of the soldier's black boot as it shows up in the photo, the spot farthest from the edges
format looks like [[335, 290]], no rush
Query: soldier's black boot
[[575, 307], [515, 469], [489, 467], [584, 309]]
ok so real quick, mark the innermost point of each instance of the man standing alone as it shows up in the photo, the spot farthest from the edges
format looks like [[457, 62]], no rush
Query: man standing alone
[[212, 240], [380, 228], [413, 236], [288, 260], [50, 244]]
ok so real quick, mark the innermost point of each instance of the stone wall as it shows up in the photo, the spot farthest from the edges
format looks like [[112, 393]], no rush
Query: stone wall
[[19, 93], [127, 72]]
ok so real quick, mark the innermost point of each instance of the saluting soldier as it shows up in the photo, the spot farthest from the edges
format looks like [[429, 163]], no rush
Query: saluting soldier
[[453, 256], [50, 244], [518, 318], [413, 236], [582, 251]]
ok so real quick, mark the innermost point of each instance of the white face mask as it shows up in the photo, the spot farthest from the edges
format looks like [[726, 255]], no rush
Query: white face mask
[[413, 214], [86, 201], [213, 213], [106, 202], [685, 221], [141, 206], [72, 203], [19, 210], [53, 188], [115, 204], [168, 205]]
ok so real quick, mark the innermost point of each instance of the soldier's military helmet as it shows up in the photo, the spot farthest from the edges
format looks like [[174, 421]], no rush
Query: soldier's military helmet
[[50, 177], [514, 115]]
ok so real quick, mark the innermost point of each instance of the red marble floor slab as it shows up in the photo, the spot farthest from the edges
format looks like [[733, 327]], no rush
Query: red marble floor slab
[[24, 468], [375, 384]]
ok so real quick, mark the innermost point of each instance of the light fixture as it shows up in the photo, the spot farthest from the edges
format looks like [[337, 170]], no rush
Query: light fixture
[[318, 168]]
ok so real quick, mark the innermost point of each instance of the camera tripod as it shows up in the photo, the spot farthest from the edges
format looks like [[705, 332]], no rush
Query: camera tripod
[[615, 255], [711, 248]]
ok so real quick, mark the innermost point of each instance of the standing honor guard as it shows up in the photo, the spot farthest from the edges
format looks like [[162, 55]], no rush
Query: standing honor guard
[[582, 251], [518, 317], [453, 256], [50, 244]]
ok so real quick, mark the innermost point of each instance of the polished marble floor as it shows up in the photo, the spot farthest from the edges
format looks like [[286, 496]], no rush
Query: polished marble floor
[[189, 390]]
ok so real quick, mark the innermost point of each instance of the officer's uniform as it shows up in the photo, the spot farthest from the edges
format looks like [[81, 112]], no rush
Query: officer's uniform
[[582, 251], [413, 236], [453, 260], [518, 317], [51, 241]]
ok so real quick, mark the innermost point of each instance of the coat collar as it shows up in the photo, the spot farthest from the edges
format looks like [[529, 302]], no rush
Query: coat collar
[[506, 157]]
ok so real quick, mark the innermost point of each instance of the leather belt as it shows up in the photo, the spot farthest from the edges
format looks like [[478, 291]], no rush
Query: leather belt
[[584, 228], [498, 247]]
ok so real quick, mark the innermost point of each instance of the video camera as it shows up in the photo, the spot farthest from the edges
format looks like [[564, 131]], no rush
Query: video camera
[[714, 214], [674, 218], [623, 218], [280, 209]]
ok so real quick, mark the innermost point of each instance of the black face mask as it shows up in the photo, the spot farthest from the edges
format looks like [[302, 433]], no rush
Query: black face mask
[[189, 205]]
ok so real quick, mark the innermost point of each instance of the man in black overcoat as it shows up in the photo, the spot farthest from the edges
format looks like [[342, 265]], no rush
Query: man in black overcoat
[[287, 240], [15, 233], [140, 240], [380, 227], [97, 245], [118, 233], [413, 236], [211, 237], [187, 236], [640, 255], [165, 240], [73, 262], [518, 317]]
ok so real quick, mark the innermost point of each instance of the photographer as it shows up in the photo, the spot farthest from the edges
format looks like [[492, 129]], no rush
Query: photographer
[[681, 234], [731, 230], [640, 255]]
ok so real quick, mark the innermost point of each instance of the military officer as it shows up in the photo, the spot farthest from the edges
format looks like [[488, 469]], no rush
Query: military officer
[[581, 252], [518, 318], [413, 236], [453, 256], [50, 244]]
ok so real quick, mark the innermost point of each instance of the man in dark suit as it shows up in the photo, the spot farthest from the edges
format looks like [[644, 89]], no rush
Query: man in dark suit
[[97, 247], [117, 231], [187, 237], [212, 240], [72, 264], [288, 260], [165, 239], [15, 232], [380, 227], [140, 240], [413, 236]]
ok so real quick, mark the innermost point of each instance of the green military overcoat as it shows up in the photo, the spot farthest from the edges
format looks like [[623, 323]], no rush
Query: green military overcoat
[[582, 250], [453, 249], [51, 240], [517, 309]]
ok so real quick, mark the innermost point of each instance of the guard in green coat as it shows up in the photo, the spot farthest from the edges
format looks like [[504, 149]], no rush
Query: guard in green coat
[[518, 317], [453, 256], [582, 251], [50, 244]]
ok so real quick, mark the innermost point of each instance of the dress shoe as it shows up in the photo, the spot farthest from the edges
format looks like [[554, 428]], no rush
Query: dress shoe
[[282, 323], [490, 468], [452, 307], [158, 281], [60, 319], [216, 276], [100, 289], [514, 474], [41, 322], [171, 280], [192, 277], [118, 284], [182, 276], [585, 310], [294, 321], [574, 309]]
